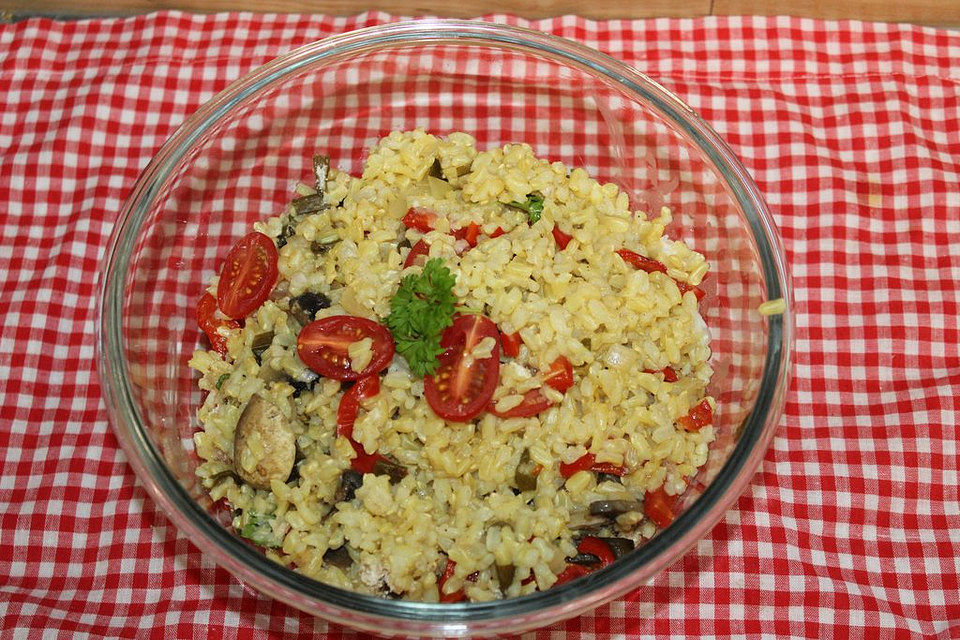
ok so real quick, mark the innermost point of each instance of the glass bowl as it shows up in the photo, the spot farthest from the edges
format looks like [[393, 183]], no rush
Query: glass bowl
[[236, 160]]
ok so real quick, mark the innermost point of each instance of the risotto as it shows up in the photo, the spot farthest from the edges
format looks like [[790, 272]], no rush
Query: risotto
[[462, 375]]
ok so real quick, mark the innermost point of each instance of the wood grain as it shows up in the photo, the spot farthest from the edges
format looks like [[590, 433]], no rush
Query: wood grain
[[600, 9], [944, 13], [933, 12]]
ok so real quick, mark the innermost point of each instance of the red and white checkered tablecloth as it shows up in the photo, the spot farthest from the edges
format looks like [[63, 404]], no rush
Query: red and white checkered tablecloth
[[852, 131]]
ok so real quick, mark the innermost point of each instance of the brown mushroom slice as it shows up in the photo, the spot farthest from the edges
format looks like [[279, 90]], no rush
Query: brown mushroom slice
[[505, 574], [620, 546], [391, 468], [613, 508], [586, 522], [264, 445], [338, 557], [525, 476]]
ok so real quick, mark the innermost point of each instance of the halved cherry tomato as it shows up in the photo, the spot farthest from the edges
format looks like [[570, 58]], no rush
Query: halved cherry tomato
[[560, 375], [420, 219], [563, 239], [248, 275], [642, 262], [461, 388], [456, 596], [209, 323], [511, 344], [684, 287], [419, 249], [698, 417], [347, 411], [533, 403], [597, 547], [588, 461], [669, 375], [497, 232], [470, 233], [323, 344], [658, 506]]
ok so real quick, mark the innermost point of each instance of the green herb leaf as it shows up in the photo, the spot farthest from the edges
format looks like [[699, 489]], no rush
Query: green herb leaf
[[221, 380], [258, 529], [419, 312], [533, 206]]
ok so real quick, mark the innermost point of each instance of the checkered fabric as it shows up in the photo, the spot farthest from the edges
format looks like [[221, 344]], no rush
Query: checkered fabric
[[852, 131]]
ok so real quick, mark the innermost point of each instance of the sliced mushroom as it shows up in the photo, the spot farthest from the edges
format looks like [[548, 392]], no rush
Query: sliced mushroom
[[505, 574], [338, 557], [608, 477], [436, 171], [261, 342], [264, 445], [524, 477], [583, 558], [388, 467], [305, 306], [619, 546], [613, 508], [308, 204], [321, 169], [586, 522], [350, 481]]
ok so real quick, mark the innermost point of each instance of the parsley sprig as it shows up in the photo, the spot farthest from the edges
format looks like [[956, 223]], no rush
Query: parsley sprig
[[533, 206], [419, 312]]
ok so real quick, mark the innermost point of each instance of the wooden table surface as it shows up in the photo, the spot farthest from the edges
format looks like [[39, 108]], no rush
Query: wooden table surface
[[944, 13]]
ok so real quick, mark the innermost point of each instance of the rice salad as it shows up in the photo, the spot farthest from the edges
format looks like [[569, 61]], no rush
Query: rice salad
[[557, 332]]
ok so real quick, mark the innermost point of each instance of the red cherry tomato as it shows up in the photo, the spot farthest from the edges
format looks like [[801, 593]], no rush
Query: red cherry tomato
[[460, 389], [209, 323], [497, 232], [641, 262], [533, 403], [511, 344], [323, 344], [658, 506], [347, 411], [422, 220], [419, 249], [470, 233], [669, 375], [698, 417], [563, 239], [560, 375], [248, 275]]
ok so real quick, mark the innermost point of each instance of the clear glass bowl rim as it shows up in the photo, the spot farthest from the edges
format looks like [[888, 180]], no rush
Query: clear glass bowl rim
[[378, 614]]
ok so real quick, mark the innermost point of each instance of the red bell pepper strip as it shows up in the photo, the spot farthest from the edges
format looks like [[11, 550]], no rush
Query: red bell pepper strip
[[511, 344], [562, 239], [698, 417], [560, 375], [658, 506], [642, 262], [364, 389], [588, 462]]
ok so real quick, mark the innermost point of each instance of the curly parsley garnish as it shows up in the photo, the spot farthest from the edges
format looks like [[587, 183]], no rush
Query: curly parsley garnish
[[419, 312], [533, 206]]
